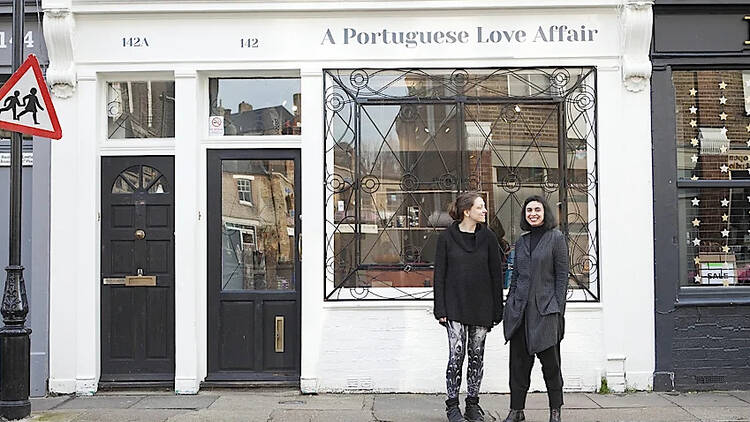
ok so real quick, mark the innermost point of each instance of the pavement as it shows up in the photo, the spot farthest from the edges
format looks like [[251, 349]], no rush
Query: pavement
[[274, 405]]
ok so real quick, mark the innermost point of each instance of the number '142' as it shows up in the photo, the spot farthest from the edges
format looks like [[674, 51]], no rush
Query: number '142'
[[28, 39]]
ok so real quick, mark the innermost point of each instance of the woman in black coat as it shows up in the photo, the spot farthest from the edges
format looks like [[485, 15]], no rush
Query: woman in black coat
[[533, 319], [468, 297]]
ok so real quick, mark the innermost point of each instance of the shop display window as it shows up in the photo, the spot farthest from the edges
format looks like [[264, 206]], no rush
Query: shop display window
[[140, 109], [255, 106], [401, 144], [712, 111]]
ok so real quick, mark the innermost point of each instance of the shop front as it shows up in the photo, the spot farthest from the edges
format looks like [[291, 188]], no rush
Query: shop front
[[701, 104], [221, 241]]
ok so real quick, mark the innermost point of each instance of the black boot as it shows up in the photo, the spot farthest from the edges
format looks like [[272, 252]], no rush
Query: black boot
[[554, 415], [452, 411], [473, 412], [515, 416]]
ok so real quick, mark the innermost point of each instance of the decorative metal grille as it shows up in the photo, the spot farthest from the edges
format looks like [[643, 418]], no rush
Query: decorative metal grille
[[400, 144]]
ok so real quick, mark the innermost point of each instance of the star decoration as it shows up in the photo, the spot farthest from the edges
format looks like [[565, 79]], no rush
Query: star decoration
[[697, 279], [696, 177], [724, 168], [694, 142], [725, 202], [748, 128], [725, 233], [725, 282], [748, 143], [724, 130], [723, 100], [696, 222], [697, 260], [694, 123], [694, 158], [748, 199], [724, 217], [725, 264], [693, 109], [696, 202], [693, 91], [723, 149], [725, 248], [696, 242], [723, 85], [723, 116]]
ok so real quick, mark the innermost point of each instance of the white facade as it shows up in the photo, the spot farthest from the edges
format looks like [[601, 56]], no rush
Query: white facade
[[346, 346]]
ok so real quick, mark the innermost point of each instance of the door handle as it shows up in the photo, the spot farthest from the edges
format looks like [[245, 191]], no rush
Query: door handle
[[140, 234], [299, 247]]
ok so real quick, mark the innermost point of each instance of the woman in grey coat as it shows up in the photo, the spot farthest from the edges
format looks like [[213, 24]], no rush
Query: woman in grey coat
[[533, 318]]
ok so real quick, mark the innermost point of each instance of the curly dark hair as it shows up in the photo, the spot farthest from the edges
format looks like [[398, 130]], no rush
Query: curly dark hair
[[550, 221]]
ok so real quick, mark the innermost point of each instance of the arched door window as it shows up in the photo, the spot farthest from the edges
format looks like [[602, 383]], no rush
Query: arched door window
[[140, 179]]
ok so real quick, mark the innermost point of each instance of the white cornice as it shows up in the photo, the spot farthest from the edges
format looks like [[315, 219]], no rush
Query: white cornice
[[168, 6]]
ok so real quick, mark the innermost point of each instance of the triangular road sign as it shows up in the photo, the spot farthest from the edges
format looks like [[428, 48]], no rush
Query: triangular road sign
[[25, 104]]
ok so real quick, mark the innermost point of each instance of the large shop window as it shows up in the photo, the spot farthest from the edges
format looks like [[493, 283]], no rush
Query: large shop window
[[140, 109], [254, 106], [713, 166], [401, 144]]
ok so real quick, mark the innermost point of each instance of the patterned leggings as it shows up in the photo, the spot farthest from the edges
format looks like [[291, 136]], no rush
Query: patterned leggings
[[457, 343]]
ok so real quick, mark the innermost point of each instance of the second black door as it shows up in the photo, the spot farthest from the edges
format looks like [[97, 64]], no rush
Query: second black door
[[253, 265]]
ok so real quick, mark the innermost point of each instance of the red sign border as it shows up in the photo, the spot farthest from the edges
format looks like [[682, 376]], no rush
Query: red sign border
[[32, 62]]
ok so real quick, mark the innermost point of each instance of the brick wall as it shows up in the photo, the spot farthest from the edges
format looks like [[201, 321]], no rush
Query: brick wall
[[711, 348]]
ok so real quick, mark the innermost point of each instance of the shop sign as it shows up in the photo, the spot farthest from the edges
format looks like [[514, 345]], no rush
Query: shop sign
[[738, 160]]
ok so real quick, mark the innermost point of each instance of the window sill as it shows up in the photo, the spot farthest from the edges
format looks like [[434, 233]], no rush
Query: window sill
[[722, 296]]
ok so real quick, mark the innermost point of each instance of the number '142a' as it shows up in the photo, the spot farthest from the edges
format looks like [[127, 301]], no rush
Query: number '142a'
[[134, 42]]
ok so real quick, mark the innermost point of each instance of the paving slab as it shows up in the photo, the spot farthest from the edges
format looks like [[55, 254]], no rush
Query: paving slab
[[298, 401], [55, 415], [294, 415], [410, 407], [742, 395], [660, 414], [628, 400], [47, 403], [208, 415], [720, 413], [127, 415], [707, 399], [175, 402], [101, 402]]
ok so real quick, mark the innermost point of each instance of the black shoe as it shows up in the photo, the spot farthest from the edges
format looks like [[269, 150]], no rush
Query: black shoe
[[554, 415], [473, 412], [515, 416], [453, 412]]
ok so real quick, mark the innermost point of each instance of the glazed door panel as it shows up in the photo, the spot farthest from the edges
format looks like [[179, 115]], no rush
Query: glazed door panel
[[137, 235], [253, 265]]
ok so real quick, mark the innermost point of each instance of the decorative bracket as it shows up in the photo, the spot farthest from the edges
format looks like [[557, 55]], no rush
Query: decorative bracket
[[58, 35], [636, 20]]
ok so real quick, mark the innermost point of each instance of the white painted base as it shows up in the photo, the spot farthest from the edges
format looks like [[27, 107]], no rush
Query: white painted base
[[308, 385], [62, 386], [186, 386], [86, 387]]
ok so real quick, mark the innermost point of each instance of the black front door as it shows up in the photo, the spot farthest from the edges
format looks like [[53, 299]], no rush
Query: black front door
[[137, 232], [253, 265]]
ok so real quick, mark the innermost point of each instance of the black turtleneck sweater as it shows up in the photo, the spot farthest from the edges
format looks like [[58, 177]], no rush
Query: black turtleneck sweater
[[468, 277], [534, 236]]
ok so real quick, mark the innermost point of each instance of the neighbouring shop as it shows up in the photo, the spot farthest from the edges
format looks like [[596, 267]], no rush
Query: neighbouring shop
[[263, 206], [701, 136], [35, 199]]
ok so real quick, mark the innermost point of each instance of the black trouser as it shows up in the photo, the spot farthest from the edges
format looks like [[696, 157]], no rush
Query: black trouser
[[521, 363]]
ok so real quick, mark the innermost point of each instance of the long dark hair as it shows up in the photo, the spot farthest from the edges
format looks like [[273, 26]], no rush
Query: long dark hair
[[550, 221], [462, 203]]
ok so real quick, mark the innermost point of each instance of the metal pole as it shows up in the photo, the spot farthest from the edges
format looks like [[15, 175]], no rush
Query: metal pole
[[15, 344]]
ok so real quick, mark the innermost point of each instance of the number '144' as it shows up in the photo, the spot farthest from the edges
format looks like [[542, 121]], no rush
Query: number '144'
[[28, 39]]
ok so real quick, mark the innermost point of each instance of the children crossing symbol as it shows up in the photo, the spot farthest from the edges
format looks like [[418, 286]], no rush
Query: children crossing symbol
[[26, 103]]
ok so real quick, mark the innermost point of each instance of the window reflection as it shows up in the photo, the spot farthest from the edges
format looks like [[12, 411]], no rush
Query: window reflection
[[140, 109], [255, 106], [258, 238]]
